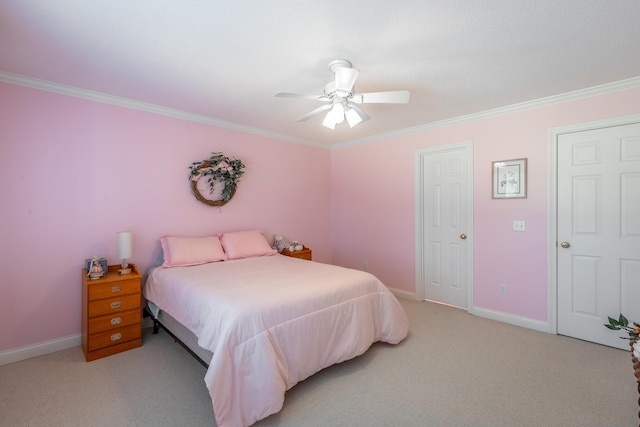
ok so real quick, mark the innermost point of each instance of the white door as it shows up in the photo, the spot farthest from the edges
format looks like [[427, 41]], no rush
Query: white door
[[443, 223], [598, 231]]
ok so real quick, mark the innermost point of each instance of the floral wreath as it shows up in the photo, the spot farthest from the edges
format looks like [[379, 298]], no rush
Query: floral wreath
[[217, 168]]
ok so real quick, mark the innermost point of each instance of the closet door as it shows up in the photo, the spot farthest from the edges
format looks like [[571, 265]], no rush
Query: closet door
[[598, 231], [443, 223]]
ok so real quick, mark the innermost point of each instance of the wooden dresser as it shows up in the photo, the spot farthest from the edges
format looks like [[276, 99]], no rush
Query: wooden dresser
[[111, 313], [305, 253]]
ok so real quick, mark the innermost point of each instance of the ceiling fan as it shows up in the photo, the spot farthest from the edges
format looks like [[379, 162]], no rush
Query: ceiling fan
[[339, 100]]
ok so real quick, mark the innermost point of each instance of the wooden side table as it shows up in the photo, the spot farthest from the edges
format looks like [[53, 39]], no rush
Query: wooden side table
[[111, 313], [305, 253]]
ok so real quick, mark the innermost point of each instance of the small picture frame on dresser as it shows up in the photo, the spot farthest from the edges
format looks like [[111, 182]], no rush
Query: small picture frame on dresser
[[96, 267]]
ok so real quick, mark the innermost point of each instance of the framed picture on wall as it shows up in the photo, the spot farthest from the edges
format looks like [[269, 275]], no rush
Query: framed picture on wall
[[510, 179]]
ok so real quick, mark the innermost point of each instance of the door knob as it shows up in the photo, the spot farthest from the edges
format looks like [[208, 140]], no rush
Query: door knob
[[565, 244], [463, 236]]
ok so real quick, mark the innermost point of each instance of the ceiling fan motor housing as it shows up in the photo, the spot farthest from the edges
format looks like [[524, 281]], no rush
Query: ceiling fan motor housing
[[330, 88], [333, 94]]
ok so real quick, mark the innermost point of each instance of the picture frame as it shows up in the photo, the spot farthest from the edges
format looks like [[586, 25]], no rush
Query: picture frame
[[509, 179], [96, 273]]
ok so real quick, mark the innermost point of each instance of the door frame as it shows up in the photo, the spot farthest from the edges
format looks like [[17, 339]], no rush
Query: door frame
[[552, 240], [419, 154]]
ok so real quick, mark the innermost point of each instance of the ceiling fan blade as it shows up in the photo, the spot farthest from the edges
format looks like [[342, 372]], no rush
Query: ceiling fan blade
[[300, 95], [390, 97], [314, 112], [345, 78]]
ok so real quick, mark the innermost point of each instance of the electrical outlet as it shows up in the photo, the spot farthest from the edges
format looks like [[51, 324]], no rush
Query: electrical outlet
[[365, 266], [503, 289], [519, 226]]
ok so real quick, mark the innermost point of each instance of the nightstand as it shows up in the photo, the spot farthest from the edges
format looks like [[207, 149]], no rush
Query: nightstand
[[111, 313], [305, 253]]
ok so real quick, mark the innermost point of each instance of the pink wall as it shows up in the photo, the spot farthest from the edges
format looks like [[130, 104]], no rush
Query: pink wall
[[373, 202], [74, 172]]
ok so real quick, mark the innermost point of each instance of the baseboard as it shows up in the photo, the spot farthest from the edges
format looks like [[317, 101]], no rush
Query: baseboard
[[511, 319], [524, 322], [35, 350], [404, 294]]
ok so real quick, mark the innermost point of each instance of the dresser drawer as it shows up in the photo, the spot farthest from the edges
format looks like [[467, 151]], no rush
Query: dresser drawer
[[112, 289], [114, 337], [114, 321], [113, 305]]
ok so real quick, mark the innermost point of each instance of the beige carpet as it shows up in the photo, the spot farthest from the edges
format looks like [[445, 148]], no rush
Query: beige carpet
[[453, 370]]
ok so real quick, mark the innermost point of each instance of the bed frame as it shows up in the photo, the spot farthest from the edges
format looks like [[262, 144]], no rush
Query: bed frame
[[181, 335]]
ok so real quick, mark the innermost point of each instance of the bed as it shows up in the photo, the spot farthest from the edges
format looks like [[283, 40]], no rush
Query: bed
[[264, 323]]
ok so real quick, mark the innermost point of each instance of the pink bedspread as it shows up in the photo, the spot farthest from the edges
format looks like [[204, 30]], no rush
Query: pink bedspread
[[272, 322]]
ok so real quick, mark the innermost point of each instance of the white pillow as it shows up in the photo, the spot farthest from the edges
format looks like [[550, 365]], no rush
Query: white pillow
[[244, 244], [183, 251]]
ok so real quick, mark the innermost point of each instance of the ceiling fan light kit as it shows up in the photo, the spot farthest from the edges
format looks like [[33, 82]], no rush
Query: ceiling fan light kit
[[328, 122], [353, 118], [340, 101]]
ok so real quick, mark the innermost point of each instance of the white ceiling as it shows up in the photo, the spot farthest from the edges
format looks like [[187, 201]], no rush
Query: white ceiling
[[225, 59]]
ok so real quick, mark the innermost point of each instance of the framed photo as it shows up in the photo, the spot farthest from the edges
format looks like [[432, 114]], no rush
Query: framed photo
[[96, 267], [510, 179]]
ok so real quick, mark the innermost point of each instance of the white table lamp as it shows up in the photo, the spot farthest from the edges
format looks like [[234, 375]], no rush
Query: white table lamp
[[124, 250]]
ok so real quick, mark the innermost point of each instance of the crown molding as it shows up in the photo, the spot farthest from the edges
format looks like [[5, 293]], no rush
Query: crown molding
[[90, 95], [604, 89], [104, 98]]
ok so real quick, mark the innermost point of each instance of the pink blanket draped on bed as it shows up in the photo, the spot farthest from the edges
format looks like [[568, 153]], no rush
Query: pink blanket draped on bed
[[272, 322]]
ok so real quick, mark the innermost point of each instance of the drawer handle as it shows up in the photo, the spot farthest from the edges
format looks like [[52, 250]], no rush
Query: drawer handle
[[115, 289], [116, 320], [116, 337], [116, 304]]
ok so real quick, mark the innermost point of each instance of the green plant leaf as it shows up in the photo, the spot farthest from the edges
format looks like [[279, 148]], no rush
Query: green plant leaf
[[623, 320]]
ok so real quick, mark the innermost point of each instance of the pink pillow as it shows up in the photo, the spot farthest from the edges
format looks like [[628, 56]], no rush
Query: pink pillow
[[244, 244], [183, 251]]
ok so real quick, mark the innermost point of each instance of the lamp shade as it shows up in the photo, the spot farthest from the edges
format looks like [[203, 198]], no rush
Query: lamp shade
[[337, 113], [353, 118], [328, 121], [124, 244]]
